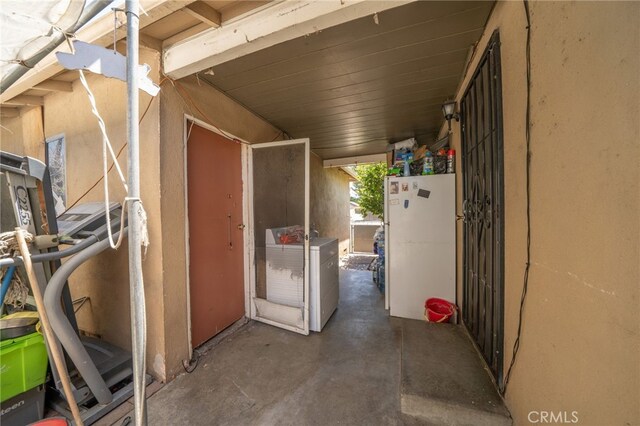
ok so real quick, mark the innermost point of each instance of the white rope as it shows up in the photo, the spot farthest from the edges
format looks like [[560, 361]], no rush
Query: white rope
[[18, 292], [9, 244], [142, 216], [107, 148]]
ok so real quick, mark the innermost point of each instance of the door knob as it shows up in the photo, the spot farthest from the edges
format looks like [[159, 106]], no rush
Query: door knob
[[241, 226]]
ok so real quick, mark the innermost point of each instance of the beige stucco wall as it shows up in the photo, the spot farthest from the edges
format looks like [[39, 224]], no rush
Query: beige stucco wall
[[363, 237], [104, 279], [20, 135], [23, 135], [580, 345], [213, 107], [204, 102], [329, 199]]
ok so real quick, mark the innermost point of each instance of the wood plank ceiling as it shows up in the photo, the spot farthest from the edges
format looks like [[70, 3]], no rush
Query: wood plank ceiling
[[355, 87]]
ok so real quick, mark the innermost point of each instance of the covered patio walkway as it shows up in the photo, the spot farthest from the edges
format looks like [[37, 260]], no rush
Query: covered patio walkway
[[355, 372]]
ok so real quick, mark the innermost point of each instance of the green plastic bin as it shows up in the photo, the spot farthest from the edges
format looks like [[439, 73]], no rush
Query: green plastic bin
[[23, 364]]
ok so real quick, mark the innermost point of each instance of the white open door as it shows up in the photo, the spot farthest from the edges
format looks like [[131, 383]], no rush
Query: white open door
[[279, 233]]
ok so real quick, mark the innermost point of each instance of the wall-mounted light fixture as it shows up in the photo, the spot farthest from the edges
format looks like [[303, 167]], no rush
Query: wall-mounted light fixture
[[449, 112]]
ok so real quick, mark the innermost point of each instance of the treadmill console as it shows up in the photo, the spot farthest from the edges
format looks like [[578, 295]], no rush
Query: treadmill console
[[88, 219]]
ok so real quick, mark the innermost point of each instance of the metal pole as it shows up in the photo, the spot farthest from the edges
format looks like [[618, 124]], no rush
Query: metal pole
[[136, 289]]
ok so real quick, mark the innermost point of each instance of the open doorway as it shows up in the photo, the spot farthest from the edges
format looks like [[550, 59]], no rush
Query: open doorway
[[366, 212], [366, 206]]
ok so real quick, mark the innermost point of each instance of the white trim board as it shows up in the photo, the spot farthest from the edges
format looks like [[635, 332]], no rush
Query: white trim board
[[279, 22], [354, 161], [186, 234]]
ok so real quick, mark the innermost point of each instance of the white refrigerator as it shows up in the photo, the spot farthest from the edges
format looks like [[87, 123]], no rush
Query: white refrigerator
[[420, 242]]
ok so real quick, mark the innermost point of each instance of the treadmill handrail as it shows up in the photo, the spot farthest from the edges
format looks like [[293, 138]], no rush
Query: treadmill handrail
[[63, 330], [55, 255]]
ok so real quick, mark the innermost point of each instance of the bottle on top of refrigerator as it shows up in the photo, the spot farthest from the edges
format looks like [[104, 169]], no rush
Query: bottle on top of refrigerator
[[451, 161], [407, 164], [427, 168]]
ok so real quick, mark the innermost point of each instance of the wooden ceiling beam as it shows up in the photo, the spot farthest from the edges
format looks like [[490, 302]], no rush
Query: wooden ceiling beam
[[197, 29], [24, 100], [205, 13], [355, 160], [150, 42], [55, 86], [9, 112], [277, 23]]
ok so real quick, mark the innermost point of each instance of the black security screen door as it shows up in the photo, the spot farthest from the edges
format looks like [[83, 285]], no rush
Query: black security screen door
[[483, 258]]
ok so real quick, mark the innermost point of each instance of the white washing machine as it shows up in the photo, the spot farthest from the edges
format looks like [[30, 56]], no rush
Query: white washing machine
[[285, 276]]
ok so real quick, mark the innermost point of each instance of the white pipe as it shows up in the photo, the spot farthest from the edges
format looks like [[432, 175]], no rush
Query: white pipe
[[136, 286]]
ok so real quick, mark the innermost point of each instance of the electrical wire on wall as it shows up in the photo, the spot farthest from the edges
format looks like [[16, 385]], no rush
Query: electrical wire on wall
[[525, 285], [189, 102], [85, 193]]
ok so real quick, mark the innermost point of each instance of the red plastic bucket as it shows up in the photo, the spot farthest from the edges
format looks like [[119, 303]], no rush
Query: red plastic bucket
[[438, 310]]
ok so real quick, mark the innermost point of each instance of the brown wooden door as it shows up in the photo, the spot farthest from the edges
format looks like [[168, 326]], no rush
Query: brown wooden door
[[216, 269]]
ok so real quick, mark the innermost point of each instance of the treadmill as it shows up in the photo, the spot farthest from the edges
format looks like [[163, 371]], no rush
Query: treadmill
[[101, 373]]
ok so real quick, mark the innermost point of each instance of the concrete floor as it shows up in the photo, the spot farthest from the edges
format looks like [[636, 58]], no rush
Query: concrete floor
[[350, 373], [444, 380]]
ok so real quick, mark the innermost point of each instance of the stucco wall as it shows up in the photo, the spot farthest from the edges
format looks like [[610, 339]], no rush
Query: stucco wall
[[329, 198], [23, 135], [104, 279], [580, 342], [363, 237], [20, 135], [328, 187], [213, 107]]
